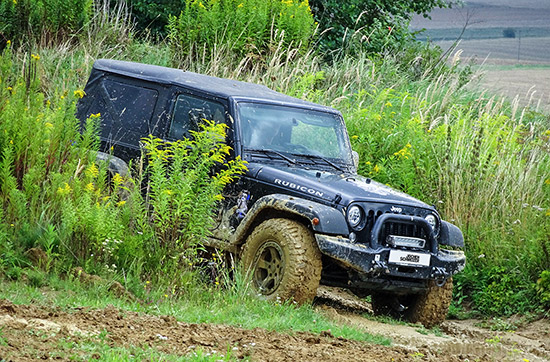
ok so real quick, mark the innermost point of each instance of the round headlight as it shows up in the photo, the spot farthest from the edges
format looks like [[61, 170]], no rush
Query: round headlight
[[354, 216], [432, 220]]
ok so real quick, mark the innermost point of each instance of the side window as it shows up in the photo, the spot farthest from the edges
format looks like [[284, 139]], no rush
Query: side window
[[134, 108], [188, 113]]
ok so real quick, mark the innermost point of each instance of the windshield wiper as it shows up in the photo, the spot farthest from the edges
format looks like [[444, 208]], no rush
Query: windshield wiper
[[322, 158], [268, 152]]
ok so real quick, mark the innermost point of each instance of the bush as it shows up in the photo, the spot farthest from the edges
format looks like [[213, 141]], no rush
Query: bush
[[373, 25], [45, 21], [182, 193], [153, 15], [509, 33], [239, 26]]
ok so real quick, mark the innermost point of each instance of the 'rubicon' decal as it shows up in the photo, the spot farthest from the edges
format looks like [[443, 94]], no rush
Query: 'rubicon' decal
[[294, 186]]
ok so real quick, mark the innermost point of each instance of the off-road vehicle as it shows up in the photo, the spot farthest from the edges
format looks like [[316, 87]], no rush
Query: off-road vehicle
[[300, 215]]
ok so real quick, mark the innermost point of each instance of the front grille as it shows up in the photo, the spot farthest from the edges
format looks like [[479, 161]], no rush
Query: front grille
[[403, 229], [391, 227]]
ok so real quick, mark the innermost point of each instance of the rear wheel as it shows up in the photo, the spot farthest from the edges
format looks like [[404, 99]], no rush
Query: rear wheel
[[429, 308], [282, 259]]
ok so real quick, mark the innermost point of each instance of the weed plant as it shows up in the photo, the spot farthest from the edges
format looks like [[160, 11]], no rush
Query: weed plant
[[55, 195], [240, 26]]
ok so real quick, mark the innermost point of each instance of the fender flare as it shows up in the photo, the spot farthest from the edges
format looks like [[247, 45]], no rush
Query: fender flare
[[450, 235], [331, 220]]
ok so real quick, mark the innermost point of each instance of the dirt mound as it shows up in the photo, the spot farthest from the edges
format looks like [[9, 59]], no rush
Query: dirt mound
[[21, 323], [31, 332]]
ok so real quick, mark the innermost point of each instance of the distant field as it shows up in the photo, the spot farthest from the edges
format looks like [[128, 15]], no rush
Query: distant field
[[489, 14], [530, 85], [514, 67], [504, 50]]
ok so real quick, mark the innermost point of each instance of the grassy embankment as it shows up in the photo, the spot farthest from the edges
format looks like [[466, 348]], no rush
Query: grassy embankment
[[483, 161]]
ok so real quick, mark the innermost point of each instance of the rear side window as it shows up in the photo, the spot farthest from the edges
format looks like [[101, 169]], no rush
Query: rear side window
[[189, 111], [133, 108]]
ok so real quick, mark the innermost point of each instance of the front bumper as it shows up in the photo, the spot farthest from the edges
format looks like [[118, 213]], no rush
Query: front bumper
[[375, 263]]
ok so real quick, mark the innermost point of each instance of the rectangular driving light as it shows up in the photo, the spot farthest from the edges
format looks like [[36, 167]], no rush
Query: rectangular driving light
[[405, 241]]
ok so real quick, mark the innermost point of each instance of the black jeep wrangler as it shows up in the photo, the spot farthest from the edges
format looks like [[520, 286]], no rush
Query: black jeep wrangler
[[300, 215]]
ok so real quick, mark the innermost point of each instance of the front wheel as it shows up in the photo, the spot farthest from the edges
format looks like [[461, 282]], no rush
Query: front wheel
[[283, 261], [429, 308]]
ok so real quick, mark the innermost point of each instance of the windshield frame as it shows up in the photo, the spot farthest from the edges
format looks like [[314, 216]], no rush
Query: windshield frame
[[345, 158]]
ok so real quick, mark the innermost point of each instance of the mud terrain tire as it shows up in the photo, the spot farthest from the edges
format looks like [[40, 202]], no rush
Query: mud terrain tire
[[283, 260], [432, 306], [429, 308]]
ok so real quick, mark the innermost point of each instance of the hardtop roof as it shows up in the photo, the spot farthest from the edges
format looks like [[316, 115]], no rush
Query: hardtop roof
[[224, 88]]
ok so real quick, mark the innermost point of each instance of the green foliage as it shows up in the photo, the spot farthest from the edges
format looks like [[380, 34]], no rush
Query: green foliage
[[153, 15], [183, 194], [241, 26], [503, 293], [47, 21], [370, 25], [55, 195], [543, 287]]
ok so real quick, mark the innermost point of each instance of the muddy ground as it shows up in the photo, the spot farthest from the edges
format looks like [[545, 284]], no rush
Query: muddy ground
[[31, 332]]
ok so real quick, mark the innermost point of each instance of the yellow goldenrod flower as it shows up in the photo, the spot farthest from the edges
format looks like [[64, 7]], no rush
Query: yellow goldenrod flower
[[11, 142], [35, 56], [117, 179], [97, 115], [8, 43], [354, 137], [65, 190], [92, 170], [404, 152], [90, 187], [376, 168], [388, 104], [547, 181], [168, 192], [9, 88], [240, 5], [48, 125], [121, 203], [79, 93]]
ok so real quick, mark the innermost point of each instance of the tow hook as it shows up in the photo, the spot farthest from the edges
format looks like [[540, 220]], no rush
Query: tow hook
[[379, 267], [440, 274]]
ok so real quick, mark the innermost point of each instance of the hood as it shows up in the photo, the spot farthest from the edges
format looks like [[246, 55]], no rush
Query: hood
[[342, 188]]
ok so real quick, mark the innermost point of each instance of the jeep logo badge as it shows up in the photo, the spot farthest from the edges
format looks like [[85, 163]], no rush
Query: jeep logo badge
[[396, 209]]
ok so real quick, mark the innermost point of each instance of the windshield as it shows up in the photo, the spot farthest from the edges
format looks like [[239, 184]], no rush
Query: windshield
[[294, 130]]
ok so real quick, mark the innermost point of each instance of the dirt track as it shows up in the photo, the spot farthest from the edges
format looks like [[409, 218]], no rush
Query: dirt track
[[31, 332]]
